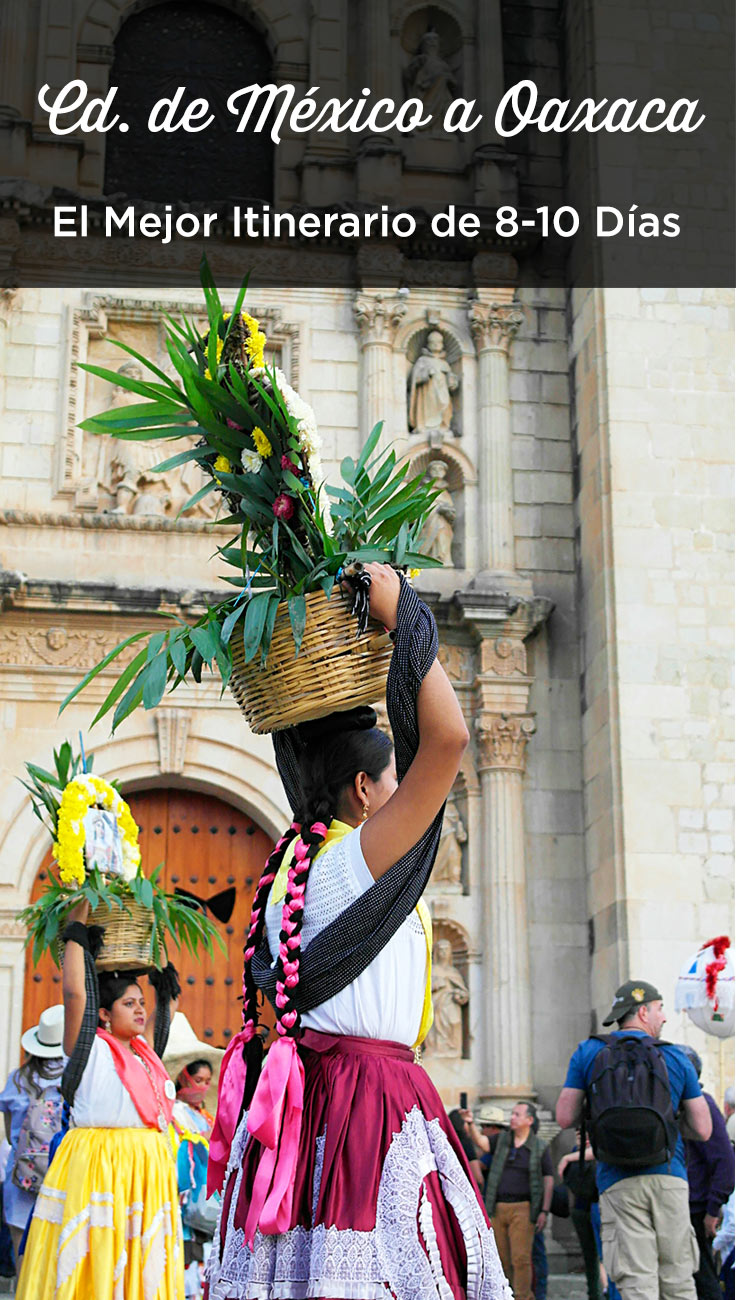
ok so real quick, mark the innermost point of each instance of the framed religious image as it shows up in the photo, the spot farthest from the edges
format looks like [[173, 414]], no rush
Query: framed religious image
[[102, 842]]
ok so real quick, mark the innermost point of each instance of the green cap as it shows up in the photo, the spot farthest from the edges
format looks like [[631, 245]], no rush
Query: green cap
[[632, 994]]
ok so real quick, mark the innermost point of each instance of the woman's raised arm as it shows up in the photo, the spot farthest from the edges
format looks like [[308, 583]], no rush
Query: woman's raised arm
[[73, 990]]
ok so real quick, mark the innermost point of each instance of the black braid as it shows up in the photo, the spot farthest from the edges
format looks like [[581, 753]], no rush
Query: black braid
[[292, 921]]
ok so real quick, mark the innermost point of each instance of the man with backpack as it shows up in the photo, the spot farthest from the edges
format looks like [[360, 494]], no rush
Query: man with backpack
[[632, 1091]]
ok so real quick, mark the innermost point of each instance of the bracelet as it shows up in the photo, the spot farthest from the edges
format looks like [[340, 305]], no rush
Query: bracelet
[[75, 932]]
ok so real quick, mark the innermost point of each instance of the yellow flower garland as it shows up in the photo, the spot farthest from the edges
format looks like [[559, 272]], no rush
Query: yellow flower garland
[[78, 797]]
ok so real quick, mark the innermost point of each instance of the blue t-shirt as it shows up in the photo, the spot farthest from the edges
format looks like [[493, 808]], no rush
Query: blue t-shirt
[[683, 1086]]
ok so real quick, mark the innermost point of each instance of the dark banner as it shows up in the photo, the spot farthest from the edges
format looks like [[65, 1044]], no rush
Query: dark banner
[[558, 142]]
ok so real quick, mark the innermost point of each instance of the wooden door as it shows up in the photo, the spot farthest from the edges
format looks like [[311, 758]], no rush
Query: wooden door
[[205, 845]]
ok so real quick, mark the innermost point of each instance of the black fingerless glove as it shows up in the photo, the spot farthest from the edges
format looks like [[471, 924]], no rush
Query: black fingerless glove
[[166, 982]]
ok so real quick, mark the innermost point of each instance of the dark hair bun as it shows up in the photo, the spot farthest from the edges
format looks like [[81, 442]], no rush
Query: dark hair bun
[[362, 718]]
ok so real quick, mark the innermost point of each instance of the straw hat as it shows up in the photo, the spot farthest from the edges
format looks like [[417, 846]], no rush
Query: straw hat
[[492, 1115], [46, 1038], [184, 1046]]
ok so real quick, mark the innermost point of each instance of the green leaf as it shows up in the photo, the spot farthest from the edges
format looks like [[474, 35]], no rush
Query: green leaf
[[178, 655], [298, 619], [206, 642], [153, 681], [273, 605], [126, 676], [255, 618], [176, 393], [196, 498], [182, 457], [129, 702], [130, 385], [108, 658], [370, 445], [232, 618], [146, 892]]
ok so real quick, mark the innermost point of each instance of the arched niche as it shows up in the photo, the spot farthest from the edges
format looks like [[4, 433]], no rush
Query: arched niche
[[450, 1035], [153, 54], [432, 58], [414, 343], [457, 469]]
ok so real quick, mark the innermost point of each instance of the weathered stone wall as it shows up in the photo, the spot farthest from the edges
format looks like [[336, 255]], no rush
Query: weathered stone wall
[[652, 375]]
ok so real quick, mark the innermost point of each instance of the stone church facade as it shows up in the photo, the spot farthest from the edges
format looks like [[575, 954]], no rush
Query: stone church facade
[[582, 442]]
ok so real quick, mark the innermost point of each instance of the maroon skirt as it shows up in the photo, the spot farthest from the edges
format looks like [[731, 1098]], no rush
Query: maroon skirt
[[384, 1203]]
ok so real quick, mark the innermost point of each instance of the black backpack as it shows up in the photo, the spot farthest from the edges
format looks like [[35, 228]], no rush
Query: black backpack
[[628, 1104]]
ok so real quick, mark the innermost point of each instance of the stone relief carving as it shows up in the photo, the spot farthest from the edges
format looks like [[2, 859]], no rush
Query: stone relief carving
[[430, 78], [439, 531], [450, 995], [58, 647], [457, 661], [115, 476], [448, 867], [432, 381]]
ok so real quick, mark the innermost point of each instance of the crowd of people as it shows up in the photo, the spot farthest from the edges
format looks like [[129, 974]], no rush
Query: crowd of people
[[331, 1168], [654, 1214]]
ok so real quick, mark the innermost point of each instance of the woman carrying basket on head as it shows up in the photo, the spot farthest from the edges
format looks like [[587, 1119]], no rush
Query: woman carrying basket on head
[[106, 1225], [344, 1177]]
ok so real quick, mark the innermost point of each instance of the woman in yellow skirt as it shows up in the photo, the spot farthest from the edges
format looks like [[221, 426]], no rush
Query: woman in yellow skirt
[[106, 1224]]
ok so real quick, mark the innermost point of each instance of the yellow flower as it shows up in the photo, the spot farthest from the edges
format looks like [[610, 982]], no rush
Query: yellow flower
[[263, 446], [256, 341], [223, 465], [414, 573]]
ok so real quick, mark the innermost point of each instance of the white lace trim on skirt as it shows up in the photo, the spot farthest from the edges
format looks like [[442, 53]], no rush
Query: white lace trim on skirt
[[395, 1257]]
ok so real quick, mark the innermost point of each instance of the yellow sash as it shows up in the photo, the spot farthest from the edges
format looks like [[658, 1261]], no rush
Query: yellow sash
[[335, 832]]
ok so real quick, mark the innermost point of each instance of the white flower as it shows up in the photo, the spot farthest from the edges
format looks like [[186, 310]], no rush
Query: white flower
[[251, 461], [309, 440]]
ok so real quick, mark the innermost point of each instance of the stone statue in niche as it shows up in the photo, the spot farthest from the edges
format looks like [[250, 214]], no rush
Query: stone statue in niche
[[432, 381], [449, 995], [430, 78], [448, 867], [439, 530], [127, 472]]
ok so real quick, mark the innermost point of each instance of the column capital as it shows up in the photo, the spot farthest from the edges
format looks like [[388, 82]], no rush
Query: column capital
[[502, 739], [379, 316], [494, 324]]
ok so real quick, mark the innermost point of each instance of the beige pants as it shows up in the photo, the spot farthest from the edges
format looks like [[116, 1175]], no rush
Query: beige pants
[[514, 1233], [649, 1247]]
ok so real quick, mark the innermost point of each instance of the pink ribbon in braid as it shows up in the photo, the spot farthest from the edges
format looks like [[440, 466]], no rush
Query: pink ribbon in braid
[[233, 1071], [275, 1116]]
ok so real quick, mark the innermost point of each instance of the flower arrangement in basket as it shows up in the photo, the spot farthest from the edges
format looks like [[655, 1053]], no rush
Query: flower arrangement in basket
[[256, 442], [97, 857]]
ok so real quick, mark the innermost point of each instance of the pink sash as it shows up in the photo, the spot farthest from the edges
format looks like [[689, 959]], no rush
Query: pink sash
[[275, 1120]]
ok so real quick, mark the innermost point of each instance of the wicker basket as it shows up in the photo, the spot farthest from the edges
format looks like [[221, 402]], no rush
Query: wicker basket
[[335, 669], [127, 944]]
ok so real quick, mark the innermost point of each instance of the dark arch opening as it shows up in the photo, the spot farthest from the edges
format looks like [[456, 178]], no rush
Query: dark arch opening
[[212, 52]]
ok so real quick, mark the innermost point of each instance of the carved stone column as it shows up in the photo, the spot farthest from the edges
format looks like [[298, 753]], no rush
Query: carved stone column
[[503, 727], [494, 322], [495, 179], [378, 316], [379, 158]]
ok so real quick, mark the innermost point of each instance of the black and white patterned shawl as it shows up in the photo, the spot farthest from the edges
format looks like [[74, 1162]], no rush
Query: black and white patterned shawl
[[341, 952]]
